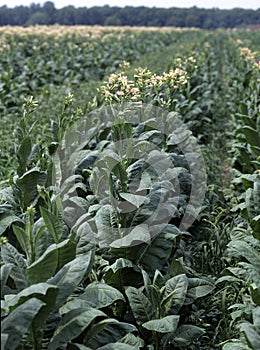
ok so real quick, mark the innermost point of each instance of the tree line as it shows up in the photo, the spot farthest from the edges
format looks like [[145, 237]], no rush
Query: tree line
[[128, 16]]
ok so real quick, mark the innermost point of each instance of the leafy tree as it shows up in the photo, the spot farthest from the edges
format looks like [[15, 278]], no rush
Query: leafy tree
[[129, 15]]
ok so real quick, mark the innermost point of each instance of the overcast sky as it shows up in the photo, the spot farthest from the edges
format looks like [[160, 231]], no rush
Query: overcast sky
[[223, 4]]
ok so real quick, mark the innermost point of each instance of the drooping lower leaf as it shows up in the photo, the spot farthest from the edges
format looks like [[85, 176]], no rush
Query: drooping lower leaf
[[112, 332], [70, 276], [198, 288], [72, 325], [10, 255], [17, 323], [186, 334]]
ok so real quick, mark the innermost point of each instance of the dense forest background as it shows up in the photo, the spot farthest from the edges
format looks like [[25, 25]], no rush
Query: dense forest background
[[128, 16]]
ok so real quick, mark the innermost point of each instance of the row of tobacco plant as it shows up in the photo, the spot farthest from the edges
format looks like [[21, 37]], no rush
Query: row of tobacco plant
[[72, 281]]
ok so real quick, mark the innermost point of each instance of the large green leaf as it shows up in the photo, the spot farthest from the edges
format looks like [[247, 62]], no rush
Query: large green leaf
[[137, 235], [174, 294], [186, 334], [154, 254], [5, 273], [235, 345], [252, 136], [56, 256], [74, 303], [17, 323], [72, 325], [98, 327], [122, 273], [10, 255], [43, 238], [23, 240], [140, 305], [107, 226], [27, 184], [39, 291], [7, 220], [252, 335], [70, 276], [43, 292], [85, 238], [247, 251], [99, 295], [131, 339], [23, 153], [167, 324], [198, 288], [53, 223], [112, 332], [135, 199]]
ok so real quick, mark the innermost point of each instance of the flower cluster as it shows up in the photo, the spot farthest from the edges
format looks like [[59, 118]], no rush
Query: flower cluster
[[144, 86], [247, 54], [256, 65], [187, 64], [120, 88]]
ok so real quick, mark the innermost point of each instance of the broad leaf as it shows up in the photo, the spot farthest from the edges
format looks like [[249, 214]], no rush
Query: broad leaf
[[27, 184], [70, 276], [5, 272], [51, 261], [99, 295], [121, 274], [134, 199], [252, 335], [106, 222], [247, 252], [198, 288], [140, 305], [186, 334], [17, 323], [154, 254], [252, 136], [72, 325], [167, 324], [10, 255], [138, 235], [131, 339], [174, 294], [235, 345], [23, 240], [6, 220], [53, 223], [39, 291], [112, 332]]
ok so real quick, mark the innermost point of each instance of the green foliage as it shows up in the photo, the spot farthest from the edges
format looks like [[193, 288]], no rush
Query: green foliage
[[86, 267], [128, 16]]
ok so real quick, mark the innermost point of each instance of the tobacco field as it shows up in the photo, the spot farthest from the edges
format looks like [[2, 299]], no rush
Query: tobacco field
[[129, 188]]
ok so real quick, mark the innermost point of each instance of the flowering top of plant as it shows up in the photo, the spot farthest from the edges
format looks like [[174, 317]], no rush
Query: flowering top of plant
[[144, 85], [186, 64], [247, 54]]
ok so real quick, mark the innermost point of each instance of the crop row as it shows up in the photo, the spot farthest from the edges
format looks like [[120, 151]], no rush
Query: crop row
[[111, 237]]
